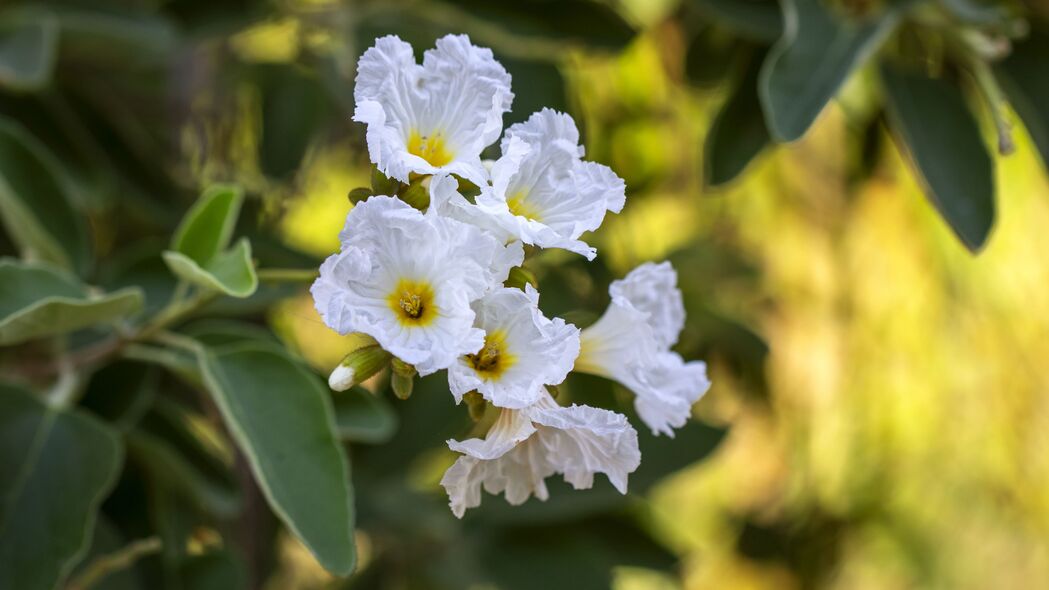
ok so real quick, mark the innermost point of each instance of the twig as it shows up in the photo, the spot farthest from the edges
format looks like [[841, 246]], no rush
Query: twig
[[121, 559]]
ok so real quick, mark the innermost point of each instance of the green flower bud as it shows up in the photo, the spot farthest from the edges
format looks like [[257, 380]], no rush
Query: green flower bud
[[402, 378], [417, 194], [521, 276], [358, 366], [476, 404]]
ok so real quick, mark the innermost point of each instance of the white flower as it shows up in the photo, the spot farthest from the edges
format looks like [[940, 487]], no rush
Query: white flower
[[408, 279], [524, 447], [542, 193], [631, 343], [523, 351], [436, 117]]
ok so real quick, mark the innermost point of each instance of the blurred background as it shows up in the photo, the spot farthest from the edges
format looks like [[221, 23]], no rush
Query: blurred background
[[880, 410]]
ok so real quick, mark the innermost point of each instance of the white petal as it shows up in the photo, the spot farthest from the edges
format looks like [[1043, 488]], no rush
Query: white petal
[[384, 242], [581, 441], [541, 192], [536, 351], [667, 391], [459, 93], [526, 446], [652, 289]]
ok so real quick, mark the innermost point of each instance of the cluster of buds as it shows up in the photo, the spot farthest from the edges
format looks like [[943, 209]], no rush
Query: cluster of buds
[[430, 268]]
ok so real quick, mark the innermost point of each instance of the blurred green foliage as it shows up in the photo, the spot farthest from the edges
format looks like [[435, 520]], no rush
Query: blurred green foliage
[[853, 345]]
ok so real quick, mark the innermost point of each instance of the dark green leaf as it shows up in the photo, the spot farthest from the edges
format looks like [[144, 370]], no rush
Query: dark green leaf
[[1023, 75], [107, 540], [28, 46], [813, 58], [978, 12], [738, 133], [295, 108], [218, 570], [169, 446], [362, 416], [711, 57], [545, 87], [586, 22], [56, 467], [35, 201], [933, 124], [121, 393], [37, 301], [281, 417], [207, 228], [758, 20], [231, 272]]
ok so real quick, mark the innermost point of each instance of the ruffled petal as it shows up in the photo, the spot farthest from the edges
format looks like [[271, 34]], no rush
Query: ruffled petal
[[388, 247], [652, 289]]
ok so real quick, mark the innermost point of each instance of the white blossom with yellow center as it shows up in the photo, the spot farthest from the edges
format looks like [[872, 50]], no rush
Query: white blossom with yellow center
[[525, 446], [542, 192], [408, 279], [435, 117], [523, 351], [631, 343]]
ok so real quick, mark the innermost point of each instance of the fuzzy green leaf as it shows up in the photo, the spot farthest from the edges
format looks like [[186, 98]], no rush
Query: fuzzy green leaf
[[56, 467], [281, 417], [38, 301]]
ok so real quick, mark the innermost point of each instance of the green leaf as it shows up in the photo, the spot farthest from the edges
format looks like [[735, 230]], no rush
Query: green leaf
[[28, 46], [361, 416], [978, 12], [217, 570], [585, 22], [1023, 77], [932, 122], [295, 108], [738, 133], [813, 58], [281, 417], [169, 446], [35, 201], [757, 20], [56, 467], [37, 301], [206, 229], [231, 272]]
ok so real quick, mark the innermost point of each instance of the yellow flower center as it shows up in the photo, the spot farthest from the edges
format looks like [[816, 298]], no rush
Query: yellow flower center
[[431, 148], [493, 359], [520, 205], [412, 303]]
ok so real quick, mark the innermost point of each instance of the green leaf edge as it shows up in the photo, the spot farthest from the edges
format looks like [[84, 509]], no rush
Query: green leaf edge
[[49, 25], [129, 300], [95, 504], [212, 193], [791, 24], [210, 382], [188, 269]]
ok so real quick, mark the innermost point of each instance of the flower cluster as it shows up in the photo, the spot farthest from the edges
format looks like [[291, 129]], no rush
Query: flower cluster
[[427, 279]]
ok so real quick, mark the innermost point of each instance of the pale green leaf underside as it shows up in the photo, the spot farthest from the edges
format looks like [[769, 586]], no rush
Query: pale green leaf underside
[[231, 272], [206, 229], [36, 301]]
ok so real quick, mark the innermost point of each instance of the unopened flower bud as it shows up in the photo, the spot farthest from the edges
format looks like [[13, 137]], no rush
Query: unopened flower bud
[[382, 185], [476, 404], [359, 194], [417, 194], [358, 366], [402, 378], [521, 276]]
